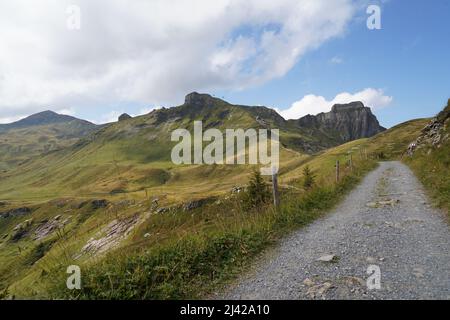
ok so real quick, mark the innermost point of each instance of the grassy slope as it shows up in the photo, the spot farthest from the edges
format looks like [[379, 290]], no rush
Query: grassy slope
[[187, 254], [130, 159], [18, 145], [432, 166]]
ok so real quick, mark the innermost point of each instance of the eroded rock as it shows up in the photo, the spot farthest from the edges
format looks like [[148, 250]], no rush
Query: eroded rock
[[113, 234], [47, 227]]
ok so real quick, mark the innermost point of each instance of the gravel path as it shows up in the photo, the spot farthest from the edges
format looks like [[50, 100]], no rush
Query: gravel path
[[386, 223]]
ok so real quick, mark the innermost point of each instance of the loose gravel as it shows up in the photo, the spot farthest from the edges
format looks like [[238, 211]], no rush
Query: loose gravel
[[386, 224]]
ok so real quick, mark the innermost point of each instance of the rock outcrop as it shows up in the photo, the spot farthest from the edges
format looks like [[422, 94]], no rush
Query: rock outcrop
[[15, 212], [345, 122], [434, 134], [201, 100], [124, 116]]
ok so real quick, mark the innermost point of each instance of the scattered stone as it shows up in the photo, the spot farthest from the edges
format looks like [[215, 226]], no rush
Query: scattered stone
[[383, 203], [418, 272], [308, 282], [319, 291], [391, 202], [330, 258], [147, 235]]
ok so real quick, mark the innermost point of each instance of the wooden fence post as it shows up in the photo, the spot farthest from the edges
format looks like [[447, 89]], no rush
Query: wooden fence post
[[337, 171], [276, 195]]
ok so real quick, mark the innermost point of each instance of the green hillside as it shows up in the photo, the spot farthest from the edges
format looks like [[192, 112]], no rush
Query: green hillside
[[141, 227], [132, 158], [213, 238], [37, 135], [61, 208]]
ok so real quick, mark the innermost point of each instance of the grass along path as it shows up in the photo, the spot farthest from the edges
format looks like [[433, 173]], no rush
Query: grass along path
[[406, 238]]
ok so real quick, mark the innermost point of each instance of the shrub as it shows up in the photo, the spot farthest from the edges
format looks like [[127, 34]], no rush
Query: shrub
[[309, 179], [257, 193]]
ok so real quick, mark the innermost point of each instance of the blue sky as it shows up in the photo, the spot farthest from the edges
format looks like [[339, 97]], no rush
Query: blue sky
[[297, 56], [408, 58]]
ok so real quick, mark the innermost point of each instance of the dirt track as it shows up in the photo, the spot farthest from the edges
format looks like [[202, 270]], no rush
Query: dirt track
[[387, 223]]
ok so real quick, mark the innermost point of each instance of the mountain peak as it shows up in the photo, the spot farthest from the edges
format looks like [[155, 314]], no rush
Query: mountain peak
[[42, 118], [348, 106], [345, 122], [200, 99]]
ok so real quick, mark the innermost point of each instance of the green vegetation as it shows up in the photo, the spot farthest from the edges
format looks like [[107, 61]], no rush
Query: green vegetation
[[257, 193], [198, 262], [183, 232], [176, 253], [21, 144], [308, 178]]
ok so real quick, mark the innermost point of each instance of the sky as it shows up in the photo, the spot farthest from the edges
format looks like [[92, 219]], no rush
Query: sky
[[98, 59]]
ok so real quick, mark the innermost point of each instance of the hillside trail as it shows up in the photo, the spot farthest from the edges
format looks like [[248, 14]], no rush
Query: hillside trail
[[384, 241]]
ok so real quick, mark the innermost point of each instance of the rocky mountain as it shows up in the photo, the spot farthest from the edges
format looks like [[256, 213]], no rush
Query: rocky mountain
[[136, 152], [345, 122], [48, 131]]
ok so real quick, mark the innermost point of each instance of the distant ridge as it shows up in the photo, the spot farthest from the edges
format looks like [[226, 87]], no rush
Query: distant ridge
[[42, 118], [39, 134]]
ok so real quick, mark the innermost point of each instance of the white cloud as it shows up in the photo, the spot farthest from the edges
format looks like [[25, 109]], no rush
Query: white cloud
[[66, 111], [336, 60], [152, 52], [114, 115], [312, 104]]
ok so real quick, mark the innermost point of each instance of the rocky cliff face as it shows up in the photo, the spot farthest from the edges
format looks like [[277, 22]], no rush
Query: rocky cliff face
[[345, 122]]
